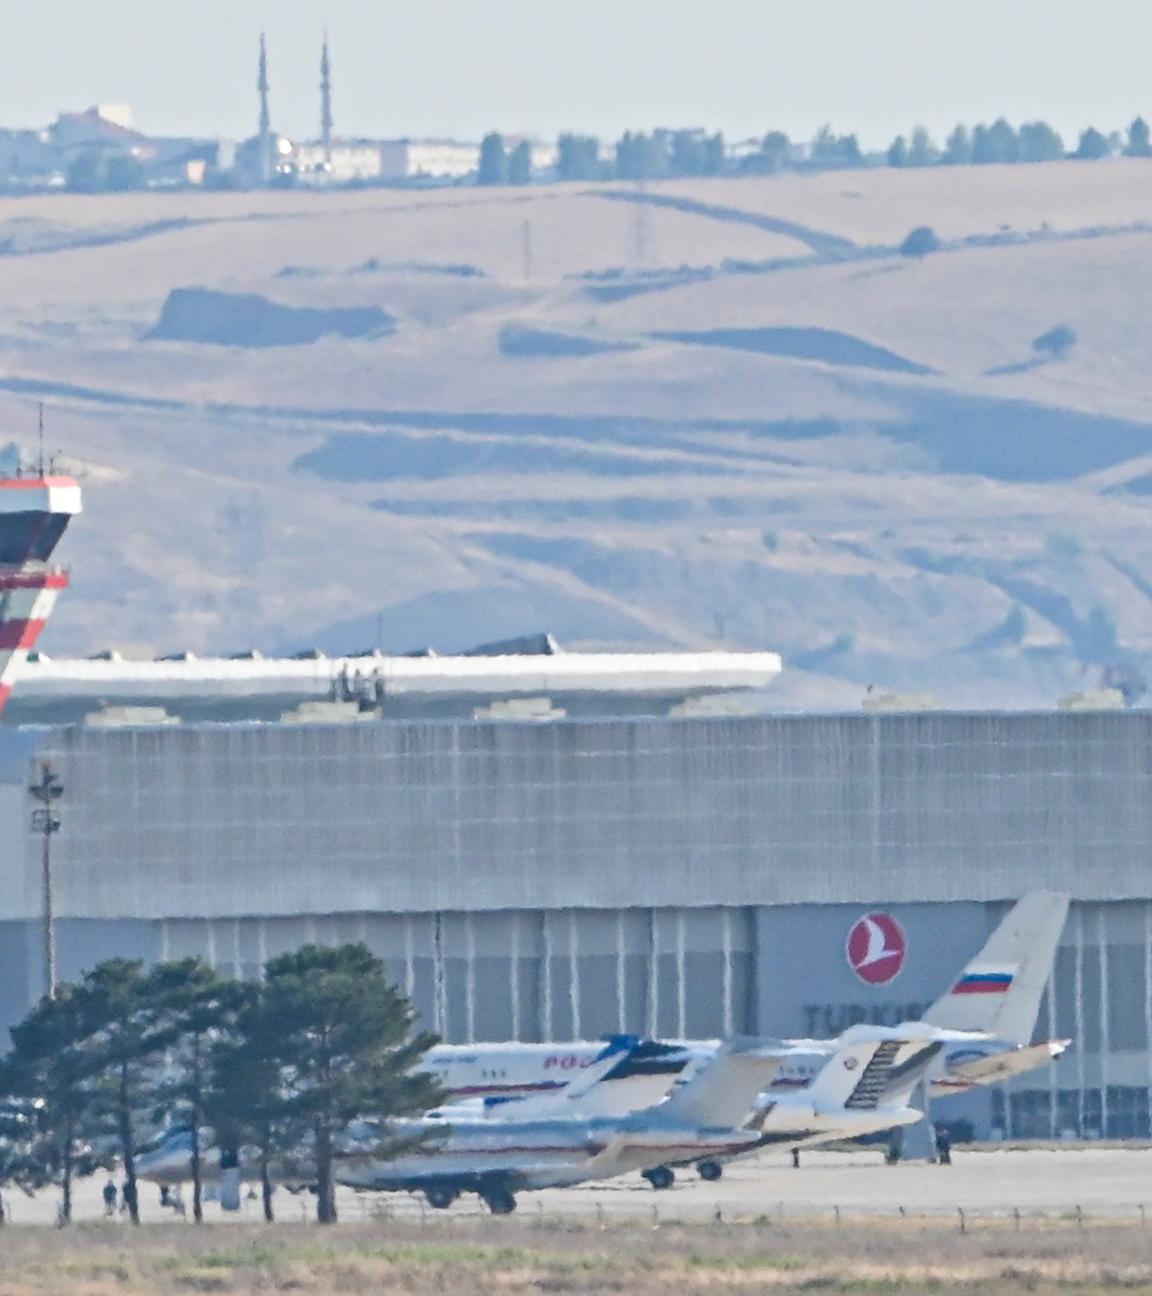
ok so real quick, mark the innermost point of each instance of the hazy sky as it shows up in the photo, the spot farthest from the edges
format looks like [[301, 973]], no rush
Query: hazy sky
[[460, 67]]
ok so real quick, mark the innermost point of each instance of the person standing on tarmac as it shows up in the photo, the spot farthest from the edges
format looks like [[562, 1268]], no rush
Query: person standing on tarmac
[[943, 1146]]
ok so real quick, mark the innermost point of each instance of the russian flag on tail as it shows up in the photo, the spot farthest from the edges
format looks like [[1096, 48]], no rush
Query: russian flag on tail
[[985, 981]]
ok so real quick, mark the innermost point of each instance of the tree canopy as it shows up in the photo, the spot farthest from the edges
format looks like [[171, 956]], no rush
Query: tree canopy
[[1139, 144], [520, 164], [577, 157], [1057, 342], [281, 1066], [343, 1046], [1093, 145], [493, 165]]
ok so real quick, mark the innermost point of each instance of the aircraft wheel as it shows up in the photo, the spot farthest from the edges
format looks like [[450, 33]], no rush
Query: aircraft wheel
[[499, 1201], [710, 1170], [440, 1198], [660, 1177]]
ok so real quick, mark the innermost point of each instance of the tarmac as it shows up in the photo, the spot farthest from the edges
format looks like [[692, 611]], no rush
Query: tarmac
[[1089, 1184]]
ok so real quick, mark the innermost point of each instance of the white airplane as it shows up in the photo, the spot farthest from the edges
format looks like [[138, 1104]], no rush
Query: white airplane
[[716, 1113], [997, 996]]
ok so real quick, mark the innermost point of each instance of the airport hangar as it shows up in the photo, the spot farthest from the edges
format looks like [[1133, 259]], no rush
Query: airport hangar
[[549, 845]]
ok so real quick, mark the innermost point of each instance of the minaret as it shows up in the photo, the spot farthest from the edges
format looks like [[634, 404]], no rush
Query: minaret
[[326, 103], [265, 133]]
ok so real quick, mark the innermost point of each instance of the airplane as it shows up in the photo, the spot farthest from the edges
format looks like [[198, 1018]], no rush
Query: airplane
[[165, 1158], [997, 995], [716, 1112]]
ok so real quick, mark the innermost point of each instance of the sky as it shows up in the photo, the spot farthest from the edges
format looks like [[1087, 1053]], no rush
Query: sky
[[459, 68]]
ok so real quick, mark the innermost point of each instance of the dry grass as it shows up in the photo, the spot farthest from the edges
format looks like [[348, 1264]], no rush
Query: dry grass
[[225, 533], [483, 1255]]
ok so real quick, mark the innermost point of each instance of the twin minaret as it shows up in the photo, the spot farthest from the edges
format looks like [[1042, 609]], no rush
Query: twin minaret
[[267, 143], [325, 103]]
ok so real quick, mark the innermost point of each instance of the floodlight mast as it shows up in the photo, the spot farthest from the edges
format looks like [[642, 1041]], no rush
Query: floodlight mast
[[47, 791]]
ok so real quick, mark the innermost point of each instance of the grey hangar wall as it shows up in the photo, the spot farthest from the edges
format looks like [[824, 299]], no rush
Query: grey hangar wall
[[685, 877]]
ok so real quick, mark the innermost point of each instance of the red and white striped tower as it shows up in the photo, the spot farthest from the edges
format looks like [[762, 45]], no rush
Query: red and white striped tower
[[34, 513]]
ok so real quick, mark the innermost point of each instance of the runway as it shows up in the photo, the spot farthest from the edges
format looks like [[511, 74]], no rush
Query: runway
[[1093, 1184]]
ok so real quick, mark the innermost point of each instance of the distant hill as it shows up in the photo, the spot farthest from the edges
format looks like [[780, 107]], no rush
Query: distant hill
[[723, 412]]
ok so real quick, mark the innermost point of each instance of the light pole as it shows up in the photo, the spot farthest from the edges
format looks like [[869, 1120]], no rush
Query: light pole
[[47, 791]]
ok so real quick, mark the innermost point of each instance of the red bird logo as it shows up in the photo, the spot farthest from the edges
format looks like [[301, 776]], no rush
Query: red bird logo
[[876, 948]]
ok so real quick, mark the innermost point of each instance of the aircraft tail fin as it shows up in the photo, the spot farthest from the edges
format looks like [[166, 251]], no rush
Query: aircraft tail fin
[[880, 1066], [999, 991], [855, 1076], [722, 1093], [564, 1101]]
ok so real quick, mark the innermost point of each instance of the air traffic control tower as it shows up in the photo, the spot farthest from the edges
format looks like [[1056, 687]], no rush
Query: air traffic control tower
[[35, 509]]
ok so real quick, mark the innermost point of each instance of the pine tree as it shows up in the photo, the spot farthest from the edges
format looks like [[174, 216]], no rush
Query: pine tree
[[831, 150], [1139, 141], [49, 1075], [201, 1006], [577, 157], [1039, 142], [898, 152], [643, 157], [958, 147], [691, 152], [493, 165], [244, 1101], [921, 150], [997, 143], [126, 1014], [714, 154], [1093, 146], [775, 151], [341, 1036], [520, 164]]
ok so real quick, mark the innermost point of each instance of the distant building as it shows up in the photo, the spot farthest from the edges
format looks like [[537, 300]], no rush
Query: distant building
[[432, 159], [75, 131], [363, 161], [251, 158], [28, 160], [181, 162], [338, 161], [119, 114]]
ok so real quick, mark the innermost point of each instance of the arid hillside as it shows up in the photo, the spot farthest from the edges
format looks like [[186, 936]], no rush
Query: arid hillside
[[709, 413]]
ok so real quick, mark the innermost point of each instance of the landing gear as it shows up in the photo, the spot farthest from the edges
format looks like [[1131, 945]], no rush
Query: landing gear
[[710, 1170], [660, 1177], [440, 1197], [500, 1201]]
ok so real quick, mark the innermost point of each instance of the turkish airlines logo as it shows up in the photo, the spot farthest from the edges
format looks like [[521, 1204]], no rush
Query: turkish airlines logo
[[876, 948]]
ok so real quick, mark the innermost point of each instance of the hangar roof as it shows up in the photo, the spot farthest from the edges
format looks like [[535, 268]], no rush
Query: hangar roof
[[255, 687]]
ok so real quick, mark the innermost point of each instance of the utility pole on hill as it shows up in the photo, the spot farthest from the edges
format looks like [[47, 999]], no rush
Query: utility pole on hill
[[526, 248]]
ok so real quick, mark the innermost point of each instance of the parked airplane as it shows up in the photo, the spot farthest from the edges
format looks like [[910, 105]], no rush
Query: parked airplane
[[998, 995], [714, 1113]]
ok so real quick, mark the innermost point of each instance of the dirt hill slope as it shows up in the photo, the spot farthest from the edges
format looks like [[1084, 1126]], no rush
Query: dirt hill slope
[[700, 413]]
